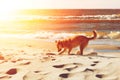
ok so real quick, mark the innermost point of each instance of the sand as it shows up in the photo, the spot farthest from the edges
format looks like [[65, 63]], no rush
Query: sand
[[37, 59]]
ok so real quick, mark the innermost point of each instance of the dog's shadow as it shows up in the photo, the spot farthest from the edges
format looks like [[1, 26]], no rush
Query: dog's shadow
[[92, 54]]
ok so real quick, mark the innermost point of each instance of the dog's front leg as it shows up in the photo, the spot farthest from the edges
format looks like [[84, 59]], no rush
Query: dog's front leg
[[62, 51]]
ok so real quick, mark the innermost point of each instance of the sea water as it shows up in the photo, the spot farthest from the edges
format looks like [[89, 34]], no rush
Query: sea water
[[52, 25]]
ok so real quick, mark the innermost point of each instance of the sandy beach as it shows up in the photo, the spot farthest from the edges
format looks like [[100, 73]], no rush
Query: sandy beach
[[29, 29], [37, 59]]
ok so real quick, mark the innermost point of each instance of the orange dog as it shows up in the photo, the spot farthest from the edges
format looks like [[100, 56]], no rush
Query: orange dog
[[73, 42]]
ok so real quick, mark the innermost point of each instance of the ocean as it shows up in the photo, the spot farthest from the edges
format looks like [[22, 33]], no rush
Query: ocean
[[53, 24], [63, 20]]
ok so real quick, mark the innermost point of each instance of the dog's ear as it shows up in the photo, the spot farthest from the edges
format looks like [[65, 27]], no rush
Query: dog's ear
[[56, 41]]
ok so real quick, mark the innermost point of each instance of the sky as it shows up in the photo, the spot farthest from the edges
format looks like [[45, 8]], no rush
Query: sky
[[58, 4], [78, 3]]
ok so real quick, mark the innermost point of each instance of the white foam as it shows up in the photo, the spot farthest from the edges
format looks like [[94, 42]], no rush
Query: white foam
[[114, 35]]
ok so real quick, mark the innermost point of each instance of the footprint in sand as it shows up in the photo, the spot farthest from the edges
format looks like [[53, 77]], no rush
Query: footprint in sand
[[93, 64], [71, 68], [12, 71], [64, 75], [95, 61], [87, 69], [99, 75], [59, 66], [63, 65]]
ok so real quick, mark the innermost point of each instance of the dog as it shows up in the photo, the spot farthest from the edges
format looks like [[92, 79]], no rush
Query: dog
[[72, 42]]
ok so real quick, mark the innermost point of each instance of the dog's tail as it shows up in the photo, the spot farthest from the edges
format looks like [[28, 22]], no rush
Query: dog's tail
[[94, 35]]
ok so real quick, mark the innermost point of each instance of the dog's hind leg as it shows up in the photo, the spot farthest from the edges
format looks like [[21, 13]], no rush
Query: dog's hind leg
[[69, 50], [82, 46]]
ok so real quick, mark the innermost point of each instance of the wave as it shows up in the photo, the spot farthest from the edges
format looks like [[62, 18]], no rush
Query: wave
[[58, 35], [83, 17], [52, 36], [110, 35], [40, 35], [114, 35]]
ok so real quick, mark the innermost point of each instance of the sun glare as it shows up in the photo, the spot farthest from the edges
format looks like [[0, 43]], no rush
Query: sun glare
[[6, 7], [9, 8]]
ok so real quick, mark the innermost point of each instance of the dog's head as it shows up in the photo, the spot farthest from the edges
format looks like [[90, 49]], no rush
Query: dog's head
[[59, 45]]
